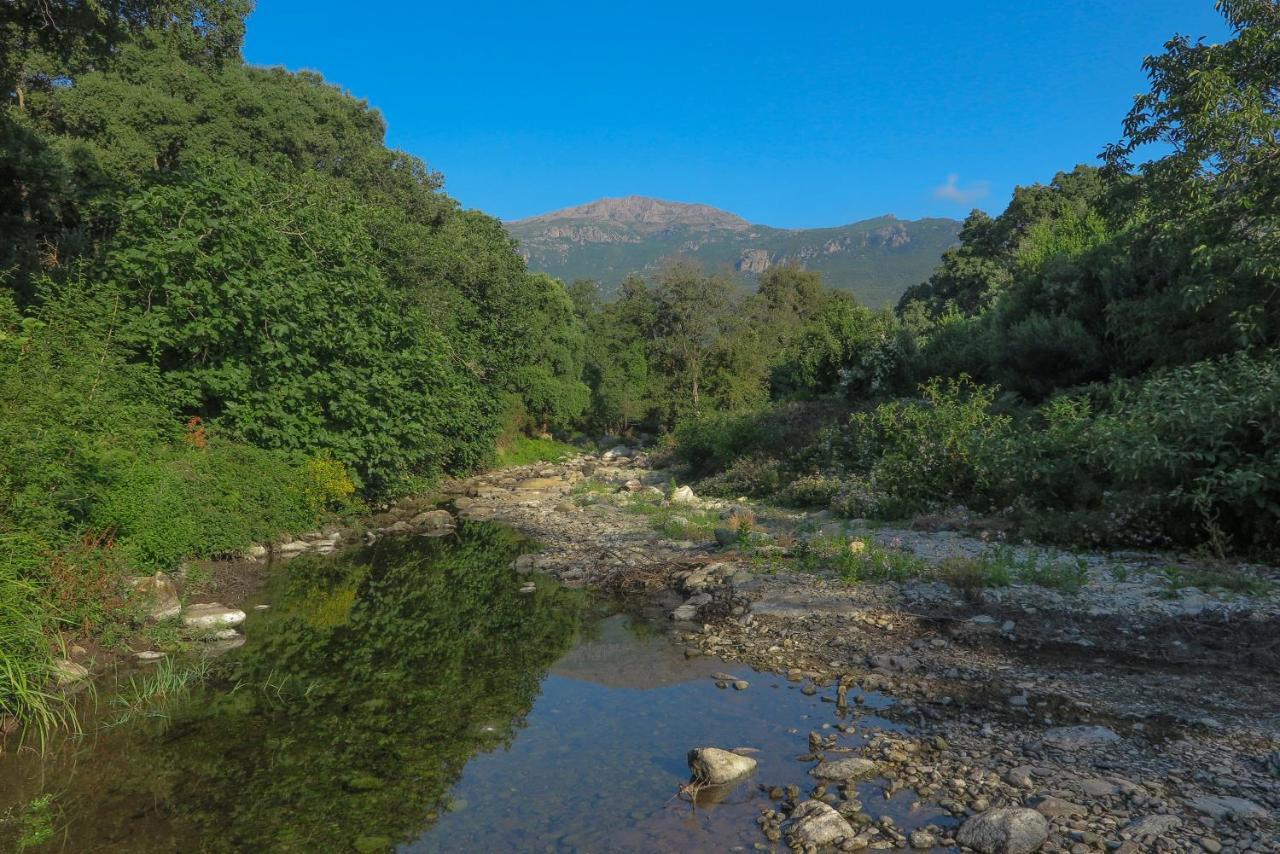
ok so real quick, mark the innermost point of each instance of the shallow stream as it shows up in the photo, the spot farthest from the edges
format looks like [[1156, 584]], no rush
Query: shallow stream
[[408, 696]]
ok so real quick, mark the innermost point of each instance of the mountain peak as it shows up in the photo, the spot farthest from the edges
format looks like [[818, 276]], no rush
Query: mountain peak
[[641, 211]]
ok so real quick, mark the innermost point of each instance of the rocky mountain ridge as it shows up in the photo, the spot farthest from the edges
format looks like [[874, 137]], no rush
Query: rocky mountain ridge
[[610, 239]]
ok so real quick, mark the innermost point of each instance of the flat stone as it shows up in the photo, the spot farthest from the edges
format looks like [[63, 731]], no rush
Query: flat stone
[[1150, 826], [212, 616], [713, 766], [1096, 787], [149, 655], [1051, 807], [1224, 806], [1008, 830], [813, 823], [540, 484], [851, 768], [1077, 737], [433, 521], [685, 612], [293, 547]]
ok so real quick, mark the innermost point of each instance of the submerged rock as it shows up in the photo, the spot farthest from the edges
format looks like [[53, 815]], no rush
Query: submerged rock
[[67, 672], [852, 768], [814, 823], [713, 766], [212, 616], [1008, 830], [433, 522]]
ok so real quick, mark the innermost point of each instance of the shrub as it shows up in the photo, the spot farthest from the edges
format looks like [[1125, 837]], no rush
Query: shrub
[[922, 454]]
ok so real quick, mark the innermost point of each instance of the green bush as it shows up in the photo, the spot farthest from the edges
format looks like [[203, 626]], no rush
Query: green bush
[[923, 454]]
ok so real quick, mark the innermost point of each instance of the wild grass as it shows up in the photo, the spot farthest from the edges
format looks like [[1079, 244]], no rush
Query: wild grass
[[525, 450], [150, 694], [1232, 580]]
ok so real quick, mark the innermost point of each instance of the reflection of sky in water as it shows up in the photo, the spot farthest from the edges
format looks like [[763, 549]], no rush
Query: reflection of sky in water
[[597, 765]]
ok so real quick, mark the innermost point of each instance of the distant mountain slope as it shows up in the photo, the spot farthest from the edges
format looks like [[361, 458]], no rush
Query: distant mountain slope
[[608, 239]]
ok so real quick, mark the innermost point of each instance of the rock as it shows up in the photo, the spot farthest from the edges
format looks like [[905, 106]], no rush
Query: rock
[[1223, 806], [162, 593], [223, 635], [852, 768], [713, 766], [617, 452], [540, 484], [212, 616], [1150, 826], [256, 552], [293, 547], [726, 536], [433, 521], [1076, 737], [67, 672], [1020, 777], [1007, 830], [685, 612], [741, 684], [923, 840], [684, 495], [813, 823], [1096, 787], [401, 527], [148, 655], [1051, 807]]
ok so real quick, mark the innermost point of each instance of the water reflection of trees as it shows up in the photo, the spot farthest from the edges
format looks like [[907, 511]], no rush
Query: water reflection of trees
[[371, 682]]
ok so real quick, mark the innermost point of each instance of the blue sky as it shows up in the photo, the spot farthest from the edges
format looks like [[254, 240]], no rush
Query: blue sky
[[793, 115]]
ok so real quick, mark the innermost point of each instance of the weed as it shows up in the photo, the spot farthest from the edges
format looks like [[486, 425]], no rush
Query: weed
[[525, 450], [1231, 580]]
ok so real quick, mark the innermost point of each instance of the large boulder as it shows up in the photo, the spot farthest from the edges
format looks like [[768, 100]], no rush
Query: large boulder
[[813, 823], [433, 522], [212, 616], [161, 595], [1008, 830], [713, 766]]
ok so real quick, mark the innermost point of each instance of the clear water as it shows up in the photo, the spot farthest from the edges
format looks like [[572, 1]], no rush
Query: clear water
[[409, 697]]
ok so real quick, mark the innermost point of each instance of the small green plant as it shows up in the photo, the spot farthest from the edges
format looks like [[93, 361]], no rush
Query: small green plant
[[866, 560], [970, 575], [1068, 576], [150, 694], [35, 823]]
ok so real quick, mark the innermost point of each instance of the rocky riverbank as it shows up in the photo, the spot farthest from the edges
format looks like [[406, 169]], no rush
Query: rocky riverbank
[[1087, 703]]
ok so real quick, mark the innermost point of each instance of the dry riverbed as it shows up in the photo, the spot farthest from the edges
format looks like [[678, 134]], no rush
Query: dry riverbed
[[1088, 703]]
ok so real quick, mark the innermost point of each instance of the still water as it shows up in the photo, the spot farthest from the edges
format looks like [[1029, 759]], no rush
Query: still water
[[408, 697]]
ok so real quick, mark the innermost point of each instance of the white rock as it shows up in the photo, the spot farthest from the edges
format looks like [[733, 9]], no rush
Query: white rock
[[713, 766], [1151, 826], [149, 655], [684, 495], [293, 548], [617, 451], [223, 635], [212, 616]]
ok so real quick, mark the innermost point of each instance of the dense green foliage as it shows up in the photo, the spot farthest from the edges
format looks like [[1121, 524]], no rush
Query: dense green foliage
[[227, 303]]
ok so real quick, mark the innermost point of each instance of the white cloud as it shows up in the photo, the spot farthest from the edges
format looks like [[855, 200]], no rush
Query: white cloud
[[953, 192]]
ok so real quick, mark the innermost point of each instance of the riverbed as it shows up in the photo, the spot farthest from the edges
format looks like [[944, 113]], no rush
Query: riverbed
[[417, 695]]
